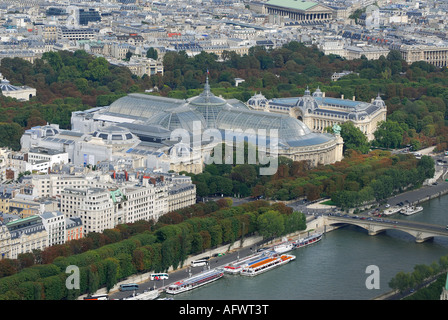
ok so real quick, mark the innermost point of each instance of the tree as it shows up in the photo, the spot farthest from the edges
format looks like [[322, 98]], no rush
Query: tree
[[111, 266], [129, 54], [426, 167], [394, 55], [354, 138], [97, 69], [10, 134], [54, 60], [401, 281], [152, 53], [270, 224], [389, 134]]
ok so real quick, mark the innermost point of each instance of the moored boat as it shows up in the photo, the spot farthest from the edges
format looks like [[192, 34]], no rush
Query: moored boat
[[391, 210], [194, 282], [148, 295], [411, 210], [308, 240], [266, 264], [283, 247], [236, 266]]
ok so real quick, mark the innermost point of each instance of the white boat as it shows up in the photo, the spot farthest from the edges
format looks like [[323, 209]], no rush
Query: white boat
[[269, 263], [391, 210], [283, 247], [410, 210], [236, 266], [147, 295], [307, 241], [194, 282]]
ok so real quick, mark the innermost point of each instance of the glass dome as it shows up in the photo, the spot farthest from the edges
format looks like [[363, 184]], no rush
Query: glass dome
[[181, 118], [307, 102], [257, 100], [115, 134], [50, 131], [208, 105]]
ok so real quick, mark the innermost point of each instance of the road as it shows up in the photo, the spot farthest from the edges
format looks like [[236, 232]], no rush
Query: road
[[419, 194]]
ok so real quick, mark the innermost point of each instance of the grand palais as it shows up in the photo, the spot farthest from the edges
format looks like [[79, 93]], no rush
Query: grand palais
[[136, 130]]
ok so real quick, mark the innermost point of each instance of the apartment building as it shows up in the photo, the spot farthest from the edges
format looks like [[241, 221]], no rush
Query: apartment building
[[93, 206], [5, 241], [25, 207], [26, 235], [48, 155], [55, 224], [51, 185], [76, 33], [49, 33], [435, 55], [181, 196], [142, 201], [74, 228]]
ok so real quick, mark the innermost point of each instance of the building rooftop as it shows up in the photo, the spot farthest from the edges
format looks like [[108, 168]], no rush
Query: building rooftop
[[292, 4]]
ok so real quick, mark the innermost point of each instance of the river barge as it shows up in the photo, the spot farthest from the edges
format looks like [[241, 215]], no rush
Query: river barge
[[266, 264], [194, 282]]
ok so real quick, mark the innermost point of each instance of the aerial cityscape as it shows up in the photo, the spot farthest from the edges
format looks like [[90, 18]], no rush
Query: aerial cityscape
[[209, 149]]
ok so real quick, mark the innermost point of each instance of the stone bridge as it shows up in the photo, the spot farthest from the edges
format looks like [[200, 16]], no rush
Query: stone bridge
[[420, 231]]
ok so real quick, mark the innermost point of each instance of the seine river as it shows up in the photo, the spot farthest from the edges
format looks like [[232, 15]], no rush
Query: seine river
[[335, 267]]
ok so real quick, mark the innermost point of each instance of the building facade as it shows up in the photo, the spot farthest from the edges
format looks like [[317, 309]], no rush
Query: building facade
[[74, 229], [55, 224], [435, 55], [305, 12], [17, 92], [319, 112], [27, 234], [92, 205], [5, 241]]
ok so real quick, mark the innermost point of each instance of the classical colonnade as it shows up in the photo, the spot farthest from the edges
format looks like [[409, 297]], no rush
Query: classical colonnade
[[300, 16]]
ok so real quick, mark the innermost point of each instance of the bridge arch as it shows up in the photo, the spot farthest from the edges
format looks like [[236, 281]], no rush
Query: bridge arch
[[374, 228]]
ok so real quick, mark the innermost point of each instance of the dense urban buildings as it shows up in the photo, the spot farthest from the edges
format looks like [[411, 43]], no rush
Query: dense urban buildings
[[63, 207], [114, 29]]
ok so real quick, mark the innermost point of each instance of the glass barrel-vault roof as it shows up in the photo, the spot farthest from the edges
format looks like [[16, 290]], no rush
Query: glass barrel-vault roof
[[180, 118], [288, 128], [142, 105]]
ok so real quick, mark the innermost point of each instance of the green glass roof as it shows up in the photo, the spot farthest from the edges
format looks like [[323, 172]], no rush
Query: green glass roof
[[292, 4]]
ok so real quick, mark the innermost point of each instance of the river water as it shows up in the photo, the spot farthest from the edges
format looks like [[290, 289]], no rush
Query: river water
[[335, 267]]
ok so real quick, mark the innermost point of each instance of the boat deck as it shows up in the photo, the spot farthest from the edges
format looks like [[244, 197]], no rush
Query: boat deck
[[197, 278], [243, 262], [262, 262]]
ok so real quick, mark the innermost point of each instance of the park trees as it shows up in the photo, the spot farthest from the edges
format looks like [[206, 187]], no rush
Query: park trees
[[354, 138], [389, 134], [270, 224]]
